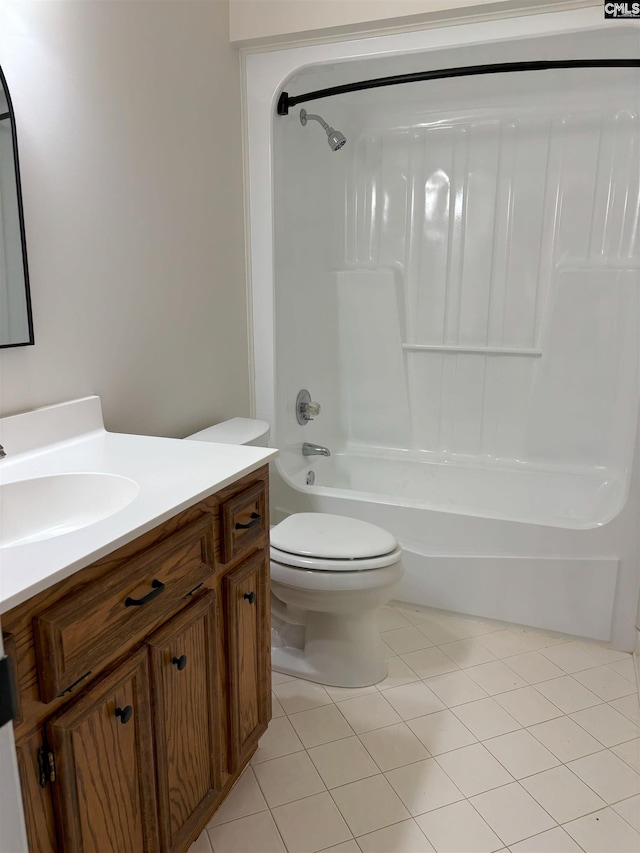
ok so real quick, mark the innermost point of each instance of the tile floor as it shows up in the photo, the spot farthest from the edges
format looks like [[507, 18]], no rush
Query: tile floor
[[483, 738]]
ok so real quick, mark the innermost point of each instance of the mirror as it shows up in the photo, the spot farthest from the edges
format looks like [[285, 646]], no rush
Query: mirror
[[16, 324]]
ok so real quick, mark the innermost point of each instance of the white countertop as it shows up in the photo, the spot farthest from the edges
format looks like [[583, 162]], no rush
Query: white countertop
[[172, 475]]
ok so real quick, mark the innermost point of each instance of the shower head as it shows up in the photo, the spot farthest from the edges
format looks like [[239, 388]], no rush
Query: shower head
[[335, 139]]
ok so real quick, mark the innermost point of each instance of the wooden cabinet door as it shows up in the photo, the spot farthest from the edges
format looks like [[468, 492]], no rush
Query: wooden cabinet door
[[247, 609], [104, 791], [186, 710]]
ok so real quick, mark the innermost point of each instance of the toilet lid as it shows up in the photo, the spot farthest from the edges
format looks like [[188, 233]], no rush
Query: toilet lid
[[331, 537]]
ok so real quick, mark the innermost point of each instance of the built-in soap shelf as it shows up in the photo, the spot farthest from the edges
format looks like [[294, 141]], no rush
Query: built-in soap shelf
[[463, 350]]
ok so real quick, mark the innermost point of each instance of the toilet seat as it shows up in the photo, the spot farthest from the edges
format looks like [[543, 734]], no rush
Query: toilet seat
[[323, 582], [332, 543], [317, 564]]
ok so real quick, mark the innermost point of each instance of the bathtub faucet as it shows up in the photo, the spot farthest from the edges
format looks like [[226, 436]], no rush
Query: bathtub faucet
[[314, 450]]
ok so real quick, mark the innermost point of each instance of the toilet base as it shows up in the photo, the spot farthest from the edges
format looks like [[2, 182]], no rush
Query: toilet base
[[334, 650]]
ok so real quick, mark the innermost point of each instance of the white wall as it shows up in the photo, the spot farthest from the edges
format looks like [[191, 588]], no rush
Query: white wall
[[129, 129], [277, 20]]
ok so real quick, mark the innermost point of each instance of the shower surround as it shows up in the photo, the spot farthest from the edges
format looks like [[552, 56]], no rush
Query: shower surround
[[459, 288]]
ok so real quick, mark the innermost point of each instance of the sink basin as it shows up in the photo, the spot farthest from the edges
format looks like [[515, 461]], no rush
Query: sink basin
[[43, 507]]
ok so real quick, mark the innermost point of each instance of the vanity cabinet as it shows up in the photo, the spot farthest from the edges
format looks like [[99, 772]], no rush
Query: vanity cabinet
[[145, 681]]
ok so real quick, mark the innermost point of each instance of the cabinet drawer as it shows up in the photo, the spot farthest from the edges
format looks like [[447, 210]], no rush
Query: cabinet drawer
[[244, 519], [78, 635]]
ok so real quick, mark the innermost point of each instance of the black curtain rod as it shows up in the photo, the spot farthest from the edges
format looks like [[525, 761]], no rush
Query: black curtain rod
[[285, 102]]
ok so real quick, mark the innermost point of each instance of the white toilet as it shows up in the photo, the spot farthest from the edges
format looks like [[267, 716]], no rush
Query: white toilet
[[329, 577]]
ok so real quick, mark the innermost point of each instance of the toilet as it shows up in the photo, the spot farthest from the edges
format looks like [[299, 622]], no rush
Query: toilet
[[330, 575]]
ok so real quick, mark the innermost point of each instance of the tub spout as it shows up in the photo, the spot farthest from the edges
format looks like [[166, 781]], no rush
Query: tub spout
[[314, 450]]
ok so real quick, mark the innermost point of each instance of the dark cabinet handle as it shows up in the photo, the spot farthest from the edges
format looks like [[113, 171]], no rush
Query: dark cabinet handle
[[125, 713], [251, 596], [255, 521], [157, 587], [180, 662]]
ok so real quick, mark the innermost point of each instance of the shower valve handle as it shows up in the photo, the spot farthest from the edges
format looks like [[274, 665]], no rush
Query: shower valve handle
[[306, 408]]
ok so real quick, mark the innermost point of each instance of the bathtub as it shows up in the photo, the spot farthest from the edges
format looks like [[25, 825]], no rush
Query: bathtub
[[567, 499], [577, 580], [459, 289]]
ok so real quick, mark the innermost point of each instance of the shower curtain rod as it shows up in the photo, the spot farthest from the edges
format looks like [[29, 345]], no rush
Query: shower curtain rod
[[285, 101]]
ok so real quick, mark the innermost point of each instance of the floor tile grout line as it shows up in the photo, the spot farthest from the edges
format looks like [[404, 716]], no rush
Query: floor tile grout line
[[496, 831], [625, 761], [481, 743], [280, 836], [453, 711], [517, 782], [502, 692], [295, 799], [242, 817], [606, 746], [561, 713], [344, 816], [622, 816], [602, 746], [402, 765], [608, 805], [335, 704], [411, 818], [586, 814], [205, 832], [300, 799]]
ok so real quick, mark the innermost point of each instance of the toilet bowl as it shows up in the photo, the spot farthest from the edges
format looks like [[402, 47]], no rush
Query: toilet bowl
[[329, 577]]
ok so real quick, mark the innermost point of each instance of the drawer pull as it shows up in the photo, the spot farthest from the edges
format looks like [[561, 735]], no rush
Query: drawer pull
[[157, 585], [251, 596], [255, 521], [193, 591], [125, 713], [180, 662], [75, 684]]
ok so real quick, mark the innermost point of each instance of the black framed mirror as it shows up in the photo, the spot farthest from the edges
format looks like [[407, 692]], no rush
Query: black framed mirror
[[16, 321]]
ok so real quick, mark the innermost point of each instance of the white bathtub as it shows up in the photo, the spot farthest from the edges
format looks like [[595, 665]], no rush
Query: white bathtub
[[575, 580], [567, 499], [458, 287]]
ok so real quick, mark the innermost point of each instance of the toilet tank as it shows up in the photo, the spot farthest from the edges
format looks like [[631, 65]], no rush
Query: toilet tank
[[235, 431]]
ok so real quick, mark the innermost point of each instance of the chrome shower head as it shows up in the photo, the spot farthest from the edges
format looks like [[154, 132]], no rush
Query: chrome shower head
[[335, 139]]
